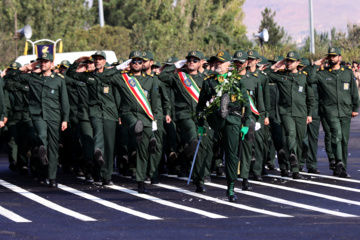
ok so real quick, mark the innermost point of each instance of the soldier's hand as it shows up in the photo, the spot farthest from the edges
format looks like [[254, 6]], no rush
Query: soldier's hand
[[63, 126], [82, 59], [168, 119], [279, 64], [308, 120], [354, 114], [5, 120], [3, 73], [320, 61], [2, 124], [119, 121], [266, 121]]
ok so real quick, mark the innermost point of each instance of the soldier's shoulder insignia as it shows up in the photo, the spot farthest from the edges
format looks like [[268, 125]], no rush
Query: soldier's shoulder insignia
[[305, 73], [122, 72], [59, 74], [255, 74], [264, 73], [322, 69], [157, 74], [342, 69]]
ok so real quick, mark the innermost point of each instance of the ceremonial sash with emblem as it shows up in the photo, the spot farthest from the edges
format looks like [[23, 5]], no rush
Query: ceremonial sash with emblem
[[190, 85], [138, 92], [252, 105]]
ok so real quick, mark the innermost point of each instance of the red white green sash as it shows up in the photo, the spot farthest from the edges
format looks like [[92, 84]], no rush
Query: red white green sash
[[138, 92], [252, 105], [190, 85]]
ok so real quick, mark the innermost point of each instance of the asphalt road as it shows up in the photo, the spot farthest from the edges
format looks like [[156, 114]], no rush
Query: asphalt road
[[322, 207]]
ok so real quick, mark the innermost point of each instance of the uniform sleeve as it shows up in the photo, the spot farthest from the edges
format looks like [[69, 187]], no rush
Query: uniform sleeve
[[165, 99], [354, 94], [310, 100], [65, 106], [266, 96], [274, 77], [203, 97], [2, 101], [167, 75], [312, 74], [261, 105], [247, 110], [71, 72]]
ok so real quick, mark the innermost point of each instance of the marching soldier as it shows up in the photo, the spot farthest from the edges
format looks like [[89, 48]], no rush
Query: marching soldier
[[228, 123], [339, 100]]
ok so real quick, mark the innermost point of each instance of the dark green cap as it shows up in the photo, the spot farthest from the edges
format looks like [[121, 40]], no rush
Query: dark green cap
[[240, 56], [334, 51], [207, 59], [263, 61], [171, 60], [253, 54], [293, 55], [91, 59], [65, 63], [304, 62], [99, 53], [15, 65], [195, 54], [223, 56], [115, 64], [276, 59], [156, 64], [46, 56], [135, 54], [147, 56]]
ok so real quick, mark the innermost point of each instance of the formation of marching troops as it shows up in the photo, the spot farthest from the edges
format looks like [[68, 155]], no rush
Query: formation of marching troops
[[145, 118]]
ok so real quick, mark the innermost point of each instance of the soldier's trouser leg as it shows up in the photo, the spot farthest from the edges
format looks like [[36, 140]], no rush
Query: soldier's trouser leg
[[204, 158], [142, 155], [259, 148], [294, 128], [23, 144], [171, 144], [246, 154], [12, 142], [313, 136], [278, 140], [156, 157], [230, 141], [48, 133], [327, 139], [305, 144], [188, 132], [340, 131], [86, 138], [109, 146]]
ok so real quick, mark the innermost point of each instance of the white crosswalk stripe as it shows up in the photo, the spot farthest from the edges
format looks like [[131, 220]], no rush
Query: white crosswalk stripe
[[107, 203], [166, 203], [45, 202], [12, 216]]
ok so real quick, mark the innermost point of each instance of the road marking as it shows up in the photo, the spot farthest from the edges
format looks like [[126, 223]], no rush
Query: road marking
[[236, 205], [306, 192], [316, 183], [286, 202], [279, 200], [164, 202], [45, 202], [12, 216], [107, 203], [329, 177]]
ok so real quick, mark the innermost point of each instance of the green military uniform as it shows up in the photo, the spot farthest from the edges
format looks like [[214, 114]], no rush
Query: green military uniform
[[229, 127], [260, 140], [49, 107], [295, 104], [103, 114], [339, 98]]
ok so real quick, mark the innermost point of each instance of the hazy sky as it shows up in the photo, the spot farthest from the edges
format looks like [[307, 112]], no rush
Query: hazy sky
[[293, 15]]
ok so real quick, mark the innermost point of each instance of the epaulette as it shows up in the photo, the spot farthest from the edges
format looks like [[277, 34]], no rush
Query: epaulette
[[122, 72], [61, 75], [281, 70], [305, 73], [157, 74], [264, 73], [349, 67], [206, 78], [143, 74], [255, 75], [342, 69]]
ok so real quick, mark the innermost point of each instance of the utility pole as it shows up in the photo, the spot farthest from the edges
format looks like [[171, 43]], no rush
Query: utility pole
[[16, 37], [101, 13], [312, 40]]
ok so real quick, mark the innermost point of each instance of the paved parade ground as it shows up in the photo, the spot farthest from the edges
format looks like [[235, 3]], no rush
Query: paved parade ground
[[322, 207]]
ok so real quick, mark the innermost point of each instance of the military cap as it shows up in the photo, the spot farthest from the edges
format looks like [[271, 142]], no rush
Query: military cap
[[156, 64], [136, 54], [263, 60], [15, 65], [91, 59], [304, 62], [207, 59], [276, 59], [334, 51], [195, 54], [253, 54], [222, 56], [46, 56], [65, 63], [99, 53], [240, 56], [121, 61], [293, 55], [147, 56], [201, 55], [114, 64], [171, 60]]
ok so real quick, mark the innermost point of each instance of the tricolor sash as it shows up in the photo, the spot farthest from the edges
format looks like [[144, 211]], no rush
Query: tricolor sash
[[190, 85], [252, 105], [138, 92]]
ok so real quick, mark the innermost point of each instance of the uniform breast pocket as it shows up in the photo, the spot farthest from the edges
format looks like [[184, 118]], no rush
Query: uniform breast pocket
[[345, 84]]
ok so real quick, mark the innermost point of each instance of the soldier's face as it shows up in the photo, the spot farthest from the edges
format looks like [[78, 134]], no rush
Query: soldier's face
[[252, 62], [291, 64], [147, 64], [221, 67], [99, 62], [240, 65], [90, 66], [136, 64], [334, 59], [45, 65], [193, 64]]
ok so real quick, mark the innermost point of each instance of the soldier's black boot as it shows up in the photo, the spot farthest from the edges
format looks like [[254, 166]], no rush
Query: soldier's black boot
[[200, 188], [338, 168], [285, 173], [142, 188], [293, 160], [224, 105], [53, 183], [298, 176], [246, 185], [98, 156], [281, 156], [43, 155], [138, 129], [332, 164], [230, 192]]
